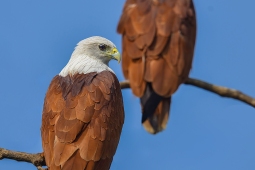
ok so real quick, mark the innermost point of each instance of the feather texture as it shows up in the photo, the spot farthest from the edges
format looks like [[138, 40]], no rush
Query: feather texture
[[158, 39], [82, 121]]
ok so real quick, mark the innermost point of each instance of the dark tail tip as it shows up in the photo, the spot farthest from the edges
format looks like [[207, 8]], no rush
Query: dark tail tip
[[144, 118]]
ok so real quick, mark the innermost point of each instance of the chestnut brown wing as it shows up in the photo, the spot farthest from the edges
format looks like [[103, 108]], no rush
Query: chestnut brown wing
[[82, 121], [158, 39]]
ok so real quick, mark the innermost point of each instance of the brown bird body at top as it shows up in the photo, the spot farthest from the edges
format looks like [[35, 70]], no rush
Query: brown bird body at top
[[158, 39]]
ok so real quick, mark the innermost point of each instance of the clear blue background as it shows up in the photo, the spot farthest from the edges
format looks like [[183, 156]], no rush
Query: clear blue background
[[205, 131]]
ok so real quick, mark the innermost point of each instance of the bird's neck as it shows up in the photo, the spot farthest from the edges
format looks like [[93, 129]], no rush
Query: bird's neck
[[82, 65]]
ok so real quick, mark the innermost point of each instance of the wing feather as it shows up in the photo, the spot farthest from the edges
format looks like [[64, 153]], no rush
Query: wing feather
[[158, 39], [81, 128], [174, 39]]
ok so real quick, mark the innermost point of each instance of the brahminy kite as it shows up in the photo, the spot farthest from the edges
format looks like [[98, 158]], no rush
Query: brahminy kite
[[83, 110], [158, 39]]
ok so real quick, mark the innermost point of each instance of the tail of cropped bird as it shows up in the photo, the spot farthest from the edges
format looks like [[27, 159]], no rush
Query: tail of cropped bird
[[155, 111]]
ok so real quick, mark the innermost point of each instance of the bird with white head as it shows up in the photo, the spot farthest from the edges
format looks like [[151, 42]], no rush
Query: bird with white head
[[83, 110]]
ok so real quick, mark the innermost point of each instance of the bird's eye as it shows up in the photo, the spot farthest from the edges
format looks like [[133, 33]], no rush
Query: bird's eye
[[102, 47]]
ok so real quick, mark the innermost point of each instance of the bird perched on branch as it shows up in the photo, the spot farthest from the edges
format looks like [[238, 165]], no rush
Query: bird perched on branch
[[158, 39], [83, 110]]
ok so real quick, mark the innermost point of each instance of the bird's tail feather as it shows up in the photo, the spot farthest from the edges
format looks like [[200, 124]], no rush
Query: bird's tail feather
[[158, 121], [155, 111]]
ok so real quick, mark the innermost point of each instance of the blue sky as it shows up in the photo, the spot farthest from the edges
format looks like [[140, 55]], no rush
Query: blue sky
[[205, 131]]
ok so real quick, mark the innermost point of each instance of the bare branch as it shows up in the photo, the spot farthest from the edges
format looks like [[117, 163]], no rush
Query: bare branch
[[36, 159], [124, 84], [220, 90]]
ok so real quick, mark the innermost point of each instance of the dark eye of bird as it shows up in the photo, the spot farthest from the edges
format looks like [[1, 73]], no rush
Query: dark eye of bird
[[102, 47]]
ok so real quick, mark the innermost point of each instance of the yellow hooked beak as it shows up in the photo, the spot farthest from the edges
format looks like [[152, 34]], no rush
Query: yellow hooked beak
[[115, 54]]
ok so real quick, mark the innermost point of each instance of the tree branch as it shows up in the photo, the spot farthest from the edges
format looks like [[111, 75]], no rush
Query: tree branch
[[220, 90], [35, 159], [38, 159]]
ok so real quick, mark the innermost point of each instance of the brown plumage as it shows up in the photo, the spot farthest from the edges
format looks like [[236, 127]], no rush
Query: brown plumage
[[158, 39], [82, 121]]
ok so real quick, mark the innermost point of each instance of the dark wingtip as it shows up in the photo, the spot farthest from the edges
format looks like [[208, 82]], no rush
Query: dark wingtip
[[144, 118], [149, 102]]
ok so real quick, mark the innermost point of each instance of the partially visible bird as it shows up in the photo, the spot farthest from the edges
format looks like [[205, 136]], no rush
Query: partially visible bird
[[158, 39], [83, 110]]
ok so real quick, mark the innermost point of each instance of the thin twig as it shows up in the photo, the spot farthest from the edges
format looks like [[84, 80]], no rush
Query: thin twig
[[38, 159]]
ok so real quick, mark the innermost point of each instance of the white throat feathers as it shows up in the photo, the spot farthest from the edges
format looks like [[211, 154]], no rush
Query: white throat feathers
[[87, 57], [83, 64]]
